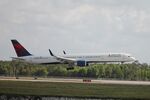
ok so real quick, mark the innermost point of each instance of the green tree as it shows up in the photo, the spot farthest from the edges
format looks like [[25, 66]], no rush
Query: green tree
[[92, 71], [82, 72], [108, 71], [57, 71], [118, 72], [41, 72]]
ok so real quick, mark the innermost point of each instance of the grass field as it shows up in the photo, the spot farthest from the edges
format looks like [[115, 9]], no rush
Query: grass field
[[75, 90]]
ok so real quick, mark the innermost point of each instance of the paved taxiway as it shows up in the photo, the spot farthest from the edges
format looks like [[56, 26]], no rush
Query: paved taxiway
[[69, 80]]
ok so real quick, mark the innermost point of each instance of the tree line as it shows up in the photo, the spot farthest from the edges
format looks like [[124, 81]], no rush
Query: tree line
[[103, 71]]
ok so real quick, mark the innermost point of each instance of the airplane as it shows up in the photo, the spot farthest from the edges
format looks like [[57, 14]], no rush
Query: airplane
[[78, 60]]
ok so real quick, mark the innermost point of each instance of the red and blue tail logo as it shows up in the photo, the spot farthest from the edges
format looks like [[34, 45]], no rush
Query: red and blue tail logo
[[20, 50]]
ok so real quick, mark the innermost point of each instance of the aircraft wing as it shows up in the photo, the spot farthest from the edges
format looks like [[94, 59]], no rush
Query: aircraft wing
[[62, 59]]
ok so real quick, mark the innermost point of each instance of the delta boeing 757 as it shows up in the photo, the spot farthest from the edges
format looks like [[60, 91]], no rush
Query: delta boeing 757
[[79, 60]]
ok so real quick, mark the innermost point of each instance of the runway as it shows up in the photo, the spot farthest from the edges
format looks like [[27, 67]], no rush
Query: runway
[[71, 80]]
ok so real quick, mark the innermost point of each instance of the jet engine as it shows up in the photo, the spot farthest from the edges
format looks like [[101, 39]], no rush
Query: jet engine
[[81, 63]]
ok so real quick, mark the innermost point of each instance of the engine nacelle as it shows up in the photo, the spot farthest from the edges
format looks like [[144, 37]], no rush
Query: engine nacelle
[[81, 63]]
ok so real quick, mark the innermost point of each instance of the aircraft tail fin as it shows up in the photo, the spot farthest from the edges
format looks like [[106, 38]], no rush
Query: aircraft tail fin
[[20, 50]]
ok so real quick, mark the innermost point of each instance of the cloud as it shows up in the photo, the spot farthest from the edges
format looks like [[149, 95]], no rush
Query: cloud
[[76, 26]]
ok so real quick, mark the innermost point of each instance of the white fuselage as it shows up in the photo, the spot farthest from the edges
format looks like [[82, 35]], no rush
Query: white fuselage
[[96, 58]]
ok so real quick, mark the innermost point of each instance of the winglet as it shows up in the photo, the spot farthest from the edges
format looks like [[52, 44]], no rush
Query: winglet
[[64, 52], [51, 53]]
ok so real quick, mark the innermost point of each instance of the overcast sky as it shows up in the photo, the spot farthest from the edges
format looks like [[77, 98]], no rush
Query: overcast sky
[[77, 26]]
